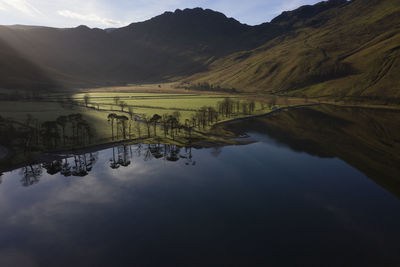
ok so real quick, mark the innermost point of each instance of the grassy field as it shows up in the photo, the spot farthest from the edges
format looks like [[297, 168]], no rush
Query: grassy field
[[148, 104]]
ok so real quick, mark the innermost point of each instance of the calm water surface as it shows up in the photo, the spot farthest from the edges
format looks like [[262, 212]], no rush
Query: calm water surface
[[258, 204]]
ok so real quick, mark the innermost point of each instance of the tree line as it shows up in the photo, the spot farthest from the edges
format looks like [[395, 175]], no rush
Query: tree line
[[171, 125], [71, 130]]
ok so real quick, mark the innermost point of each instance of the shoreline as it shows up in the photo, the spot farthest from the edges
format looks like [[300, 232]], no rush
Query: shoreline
[[203, 143]]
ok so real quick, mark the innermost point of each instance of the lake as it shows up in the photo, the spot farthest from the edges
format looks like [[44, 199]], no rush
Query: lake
[[289, 198]]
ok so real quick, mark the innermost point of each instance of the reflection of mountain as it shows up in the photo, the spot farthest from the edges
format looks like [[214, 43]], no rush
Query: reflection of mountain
[[368, 139]]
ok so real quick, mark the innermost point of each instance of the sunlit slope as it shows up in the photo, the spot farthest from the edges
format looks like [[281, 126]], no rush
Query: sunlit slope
[[350, 50]]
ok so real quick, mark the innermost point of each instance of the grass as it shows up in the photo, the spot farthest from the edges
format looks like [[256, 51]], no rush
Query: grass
[[148, 104]]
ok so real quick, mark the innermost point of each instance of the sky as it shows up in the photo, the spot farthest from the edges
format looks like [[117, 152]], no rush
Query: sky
[[118, 13]]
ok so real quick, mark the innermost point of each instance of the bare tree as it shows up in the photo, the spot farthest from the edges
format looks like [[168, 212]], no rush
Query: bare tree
[[62, 121], [122, 120], [122, 104], [86, 99], [155, 119], [147, 120], [131, 119], [252, 107], [138, 128], [111, 117]]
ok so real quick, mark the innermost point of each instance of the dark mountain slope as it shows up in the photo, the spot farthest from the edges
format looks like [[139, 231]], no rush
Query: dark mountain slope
[[349, 50], [16, 72]]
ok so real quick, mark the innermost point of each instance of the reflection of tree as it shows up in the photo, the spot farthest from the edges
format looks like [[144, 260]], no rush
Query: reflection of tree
[[188, 156], [31, 174], [123, 156], [92, 160], [173, 154], [53, 167], [66, 168], [78, 169], [83, 164], [138, 150], [147, 155], [156, 150], [113, 162]]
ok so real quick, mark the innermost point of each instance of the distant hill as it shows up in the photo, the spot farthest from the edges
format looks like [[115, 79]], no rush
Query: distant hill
[[334, 48]]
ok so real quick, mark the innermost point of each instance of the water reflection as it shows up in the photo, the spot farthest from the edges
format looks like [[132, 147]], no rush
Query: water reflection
[[31, 174], [77, 165], [81, 165], [367, 139], [296, 197]]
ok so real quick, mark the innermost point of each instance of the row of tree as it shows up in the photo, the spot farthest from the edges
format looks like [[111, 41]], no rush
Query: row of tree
[[170, 124], [71, 130]]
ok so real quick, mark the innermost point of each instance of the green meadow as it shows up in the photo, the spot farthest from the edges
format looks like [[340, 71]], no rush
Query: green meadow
[[148, 104]]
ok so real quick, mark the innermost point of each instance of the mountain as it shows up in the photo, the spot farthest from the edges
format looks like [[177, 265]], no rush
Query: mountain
[[335, 48], [169, 46]]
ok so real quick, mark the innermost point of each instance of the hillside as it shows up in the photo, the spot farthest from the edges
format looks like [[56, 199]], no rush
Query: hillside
[[351, 49]]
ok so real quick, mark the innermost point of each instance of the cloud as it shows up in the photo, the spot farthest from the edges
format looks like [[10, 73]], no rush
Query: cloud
[[90, 17], [21, 5]]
